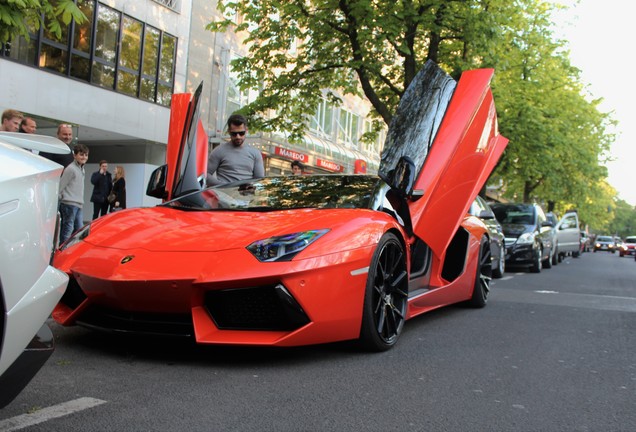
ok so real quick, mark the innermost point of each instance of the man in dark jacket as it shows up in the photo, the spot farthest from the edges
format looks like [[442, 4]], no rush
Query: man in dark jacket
[[102, 185], [64, 134]]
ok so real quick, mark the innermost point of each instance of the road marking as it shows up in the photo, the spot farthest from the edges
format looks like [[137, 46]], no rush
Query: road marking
[[49, 413], [555, 298]]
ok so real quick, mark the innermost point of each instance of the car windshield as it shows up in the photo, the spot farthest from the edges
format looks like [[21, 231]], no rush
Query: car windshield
[[284, 193], [514, 213], [604, 239], [630, 240]]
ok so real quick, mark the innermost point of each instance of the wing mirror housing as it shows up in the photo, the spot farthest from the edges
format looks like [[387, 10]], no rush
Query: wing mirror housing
[[156, 187], [402, 178]]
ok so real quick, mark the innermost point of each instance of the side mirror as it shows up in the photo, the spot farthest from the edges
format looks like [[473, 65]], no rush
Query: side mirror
[[547, 224], [485, 214], [157, 183], [402, 177]]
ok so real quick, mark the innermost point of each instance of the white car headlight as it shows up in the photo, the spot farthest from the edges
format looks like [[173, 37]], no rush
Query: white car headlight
[[526, 238], [80, 235], [284, 248]]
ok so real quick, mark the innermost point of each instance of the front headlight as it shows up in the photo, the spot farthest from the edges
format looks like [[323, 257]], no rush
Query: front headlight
[[284, 248], [526, 238], [80, 235]]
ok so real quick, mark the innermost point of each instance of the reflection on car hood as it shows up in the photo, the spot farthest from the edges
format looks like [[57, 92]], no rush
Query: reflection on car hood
[[163, 229]]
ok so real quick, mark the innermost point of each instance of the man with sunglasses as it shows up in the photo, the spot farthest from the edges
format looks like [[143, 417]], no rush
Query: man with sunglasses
[[235, 160]]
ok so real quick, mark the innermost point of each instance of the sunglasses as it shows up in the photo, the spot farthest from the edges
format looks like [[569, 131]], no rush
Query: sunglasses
[[240, 133]]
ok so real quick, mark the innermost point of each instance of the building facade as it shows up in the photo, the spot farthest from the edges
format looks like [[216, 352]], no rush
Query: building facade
[[112, 78]]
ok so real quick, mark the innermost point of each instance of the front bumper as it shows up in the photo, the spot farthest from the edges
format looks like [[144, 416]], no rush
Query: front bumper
[[200, 295], [520, 254]]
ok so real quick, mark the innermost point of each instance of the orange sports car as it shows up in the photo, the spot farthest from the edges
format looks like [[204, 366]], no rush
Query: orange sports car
[[284, 261]]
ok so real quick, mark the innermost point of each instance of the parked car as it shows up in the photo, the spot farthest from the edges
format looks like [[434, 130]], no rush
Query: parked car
[[29, 286], [568, 234], [586, 242], [530, 237], [298, 260], [605, 243], [482, 210], [628, 247]]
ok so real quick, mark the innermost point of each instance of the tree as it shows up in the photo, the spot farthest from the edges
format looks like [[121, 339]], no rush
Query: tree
[[18, 17], [558, 135], [362, 47], [623, 222], [558, 138]]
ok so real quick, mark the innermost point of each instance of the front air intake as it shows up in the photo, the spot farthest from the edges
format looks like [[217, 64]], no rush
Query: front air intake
[[255, 308]]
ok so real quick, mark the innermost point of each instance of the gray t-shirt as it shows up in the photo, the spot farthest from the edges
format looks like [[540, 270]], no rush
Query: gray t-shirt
[[232, 163], [72, 185]]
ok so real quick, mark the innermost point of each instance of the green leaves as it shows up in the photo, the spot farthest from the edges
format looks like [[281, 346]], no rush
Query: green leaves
[[21, 16]]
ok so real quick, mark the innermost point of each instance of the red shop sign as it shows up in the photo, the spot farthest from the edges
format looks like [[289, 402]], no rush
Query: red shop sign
[[331, 166], [290, 154]]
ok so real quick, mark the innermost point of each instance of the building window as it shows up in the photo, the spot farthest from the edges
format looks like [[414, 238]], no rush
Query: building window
[[82, 38], [108, 23], [322, 122], [53, 52], [235, 97], [149, 64], [166, 68], [348, 128], [110, 49], [130, 57]]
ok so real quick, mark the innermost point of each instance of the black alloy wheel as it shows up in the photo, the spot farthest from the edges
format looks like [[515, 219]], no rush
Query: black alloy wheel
[[386, 296], [483, 276]]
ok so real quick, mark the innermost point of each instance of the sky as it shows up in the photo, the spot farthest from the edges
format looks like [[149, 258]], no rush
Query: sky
[[600, 35]]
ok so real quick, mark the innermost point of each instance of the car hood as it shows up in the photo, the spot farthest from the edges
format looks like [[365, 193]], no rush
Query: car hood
[[162, 229]]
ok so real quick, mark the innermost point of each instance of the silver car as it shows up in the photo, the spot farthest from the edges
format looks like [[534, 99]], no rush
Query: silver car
[[29, 286]]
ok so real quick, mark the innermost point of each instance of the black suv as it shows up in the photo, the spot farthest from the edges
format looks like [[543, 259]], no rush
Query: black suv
[[530, 237]]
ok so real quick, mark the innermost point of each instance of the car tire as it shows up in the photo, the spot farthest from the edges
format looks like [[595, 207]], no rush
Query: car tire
[[536, 265], [386, 296], [576, 254], [548, 262], [555, 257], [483, 276], [500, 268]]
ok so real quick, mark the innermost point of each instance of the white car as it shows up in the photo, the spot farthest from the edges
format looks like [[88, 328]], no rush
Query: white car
[[29, 286]]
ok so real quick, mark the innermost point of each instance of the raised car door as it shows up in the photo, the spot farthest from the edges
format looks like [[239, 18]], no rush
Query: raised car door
[[450, 131], [187, 149]]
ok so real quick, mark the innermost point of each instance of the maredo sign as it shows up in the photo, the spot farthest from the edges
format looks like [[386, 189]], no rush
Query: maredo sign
[[331, 166], [290, 154]]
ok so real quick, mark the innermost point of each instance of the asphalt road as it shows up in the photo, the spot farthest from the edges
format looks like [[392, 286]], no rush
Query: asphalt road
[[551, 352]]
